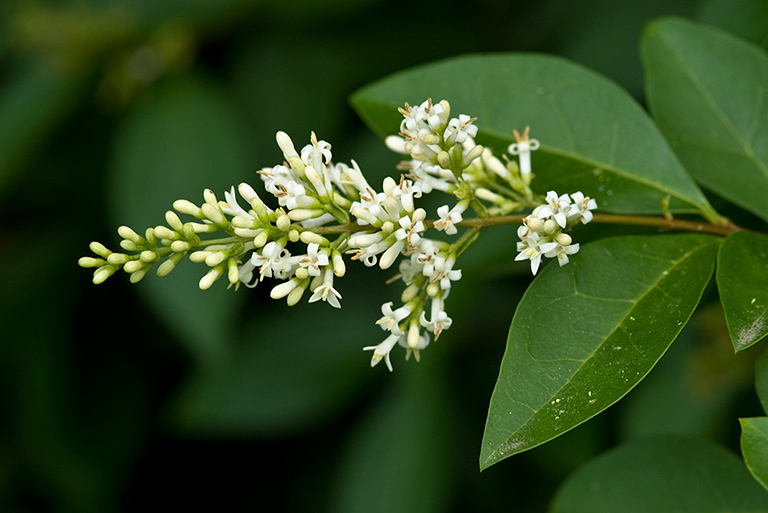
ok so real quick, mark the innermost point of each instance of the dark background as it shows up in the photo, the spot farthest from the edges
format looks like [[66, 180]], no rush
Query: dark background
[[159, 396]]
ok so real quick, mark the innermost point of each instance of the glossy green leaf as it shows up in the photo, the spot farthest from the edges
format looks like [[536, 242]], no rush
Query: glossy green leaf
[[754, 447], [692, 390], [181, 139], [742, 279], [707, 90], [585, 334], [662, 475], [594, 136]]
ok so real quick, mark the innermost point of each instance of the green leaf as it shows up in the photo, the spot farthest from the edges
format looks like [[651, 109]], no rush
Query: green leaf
[[742, 279], [594, 136], [754, 447], [747, 19], [662, 475], [692, 390], [182, 138], [707, 90], [585, 334]]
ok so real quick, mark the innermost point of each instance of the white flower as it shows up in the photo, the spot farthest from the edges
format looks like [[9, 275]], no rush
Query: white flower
[[411, 226], [429, 177], [383, 349], [532, 248], [245, 272], [232, 207], [314, 260], [316, 154], [449, 218], [274, 261], [440, 269], [580, 209], [326, 292], [459, 129], [390, 320], [440, 320], [405, 192], [557, 207], [523, 149]]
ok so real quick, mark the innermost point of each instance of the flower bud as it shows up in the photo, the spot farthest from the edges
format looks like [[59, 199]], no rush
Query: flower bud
[[212, 275], [283, 223], [99, 249], [339, 267], [102, 273], [308, 237], [472, 154], [88, 262], [410, 292], [129, 245], [179, 246], [413, 335], [294, 296], [118, 258], [148, 256], [187, 207], [534, 223], [165, 233], [564, 239], [173, 220], [133, 266], [282, 290], [127, 233], [137, 276], [210, 198]]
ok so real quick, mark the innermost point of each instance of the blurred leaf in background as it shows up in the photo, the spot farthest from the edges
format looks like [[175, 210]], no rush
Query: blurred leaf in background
[[118, 399]]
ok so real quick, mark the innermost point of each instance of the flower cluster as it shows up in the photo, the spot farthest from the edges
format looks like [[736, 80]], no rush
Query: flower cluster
[[326, 210], [542, 232]]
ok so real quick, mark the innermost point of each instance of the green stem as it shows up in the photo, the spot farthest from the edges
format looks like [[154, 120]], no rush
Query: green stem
[[723, 229]]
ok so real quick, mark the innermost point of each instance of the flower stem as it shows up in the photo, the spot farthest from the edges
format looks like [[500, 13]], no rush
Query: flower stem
[[724, 229]]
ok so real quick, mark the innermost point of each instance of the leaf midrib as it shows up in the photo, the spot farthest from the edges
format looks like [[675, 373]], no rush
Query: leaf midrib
[[662, 276], [712, 103]]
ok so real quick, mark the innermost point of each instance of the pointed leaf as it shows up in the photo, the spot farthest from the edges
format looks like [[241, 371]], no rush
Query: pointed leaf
[[754, 447], [594, 137], [661, 475], [708, 91], [742, 279], [585, 334]]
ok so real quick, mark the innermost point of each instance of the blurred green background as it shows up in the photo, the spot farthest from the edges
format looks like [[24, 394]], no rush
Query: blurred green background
[[160, 396]]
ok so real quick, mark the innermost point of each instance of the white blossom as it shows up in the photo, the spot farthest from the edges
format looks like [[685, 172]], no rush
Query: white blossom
[[326, 292], [581, 207], [390, 320], [383, 349], [523, 148], [314, 260]]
